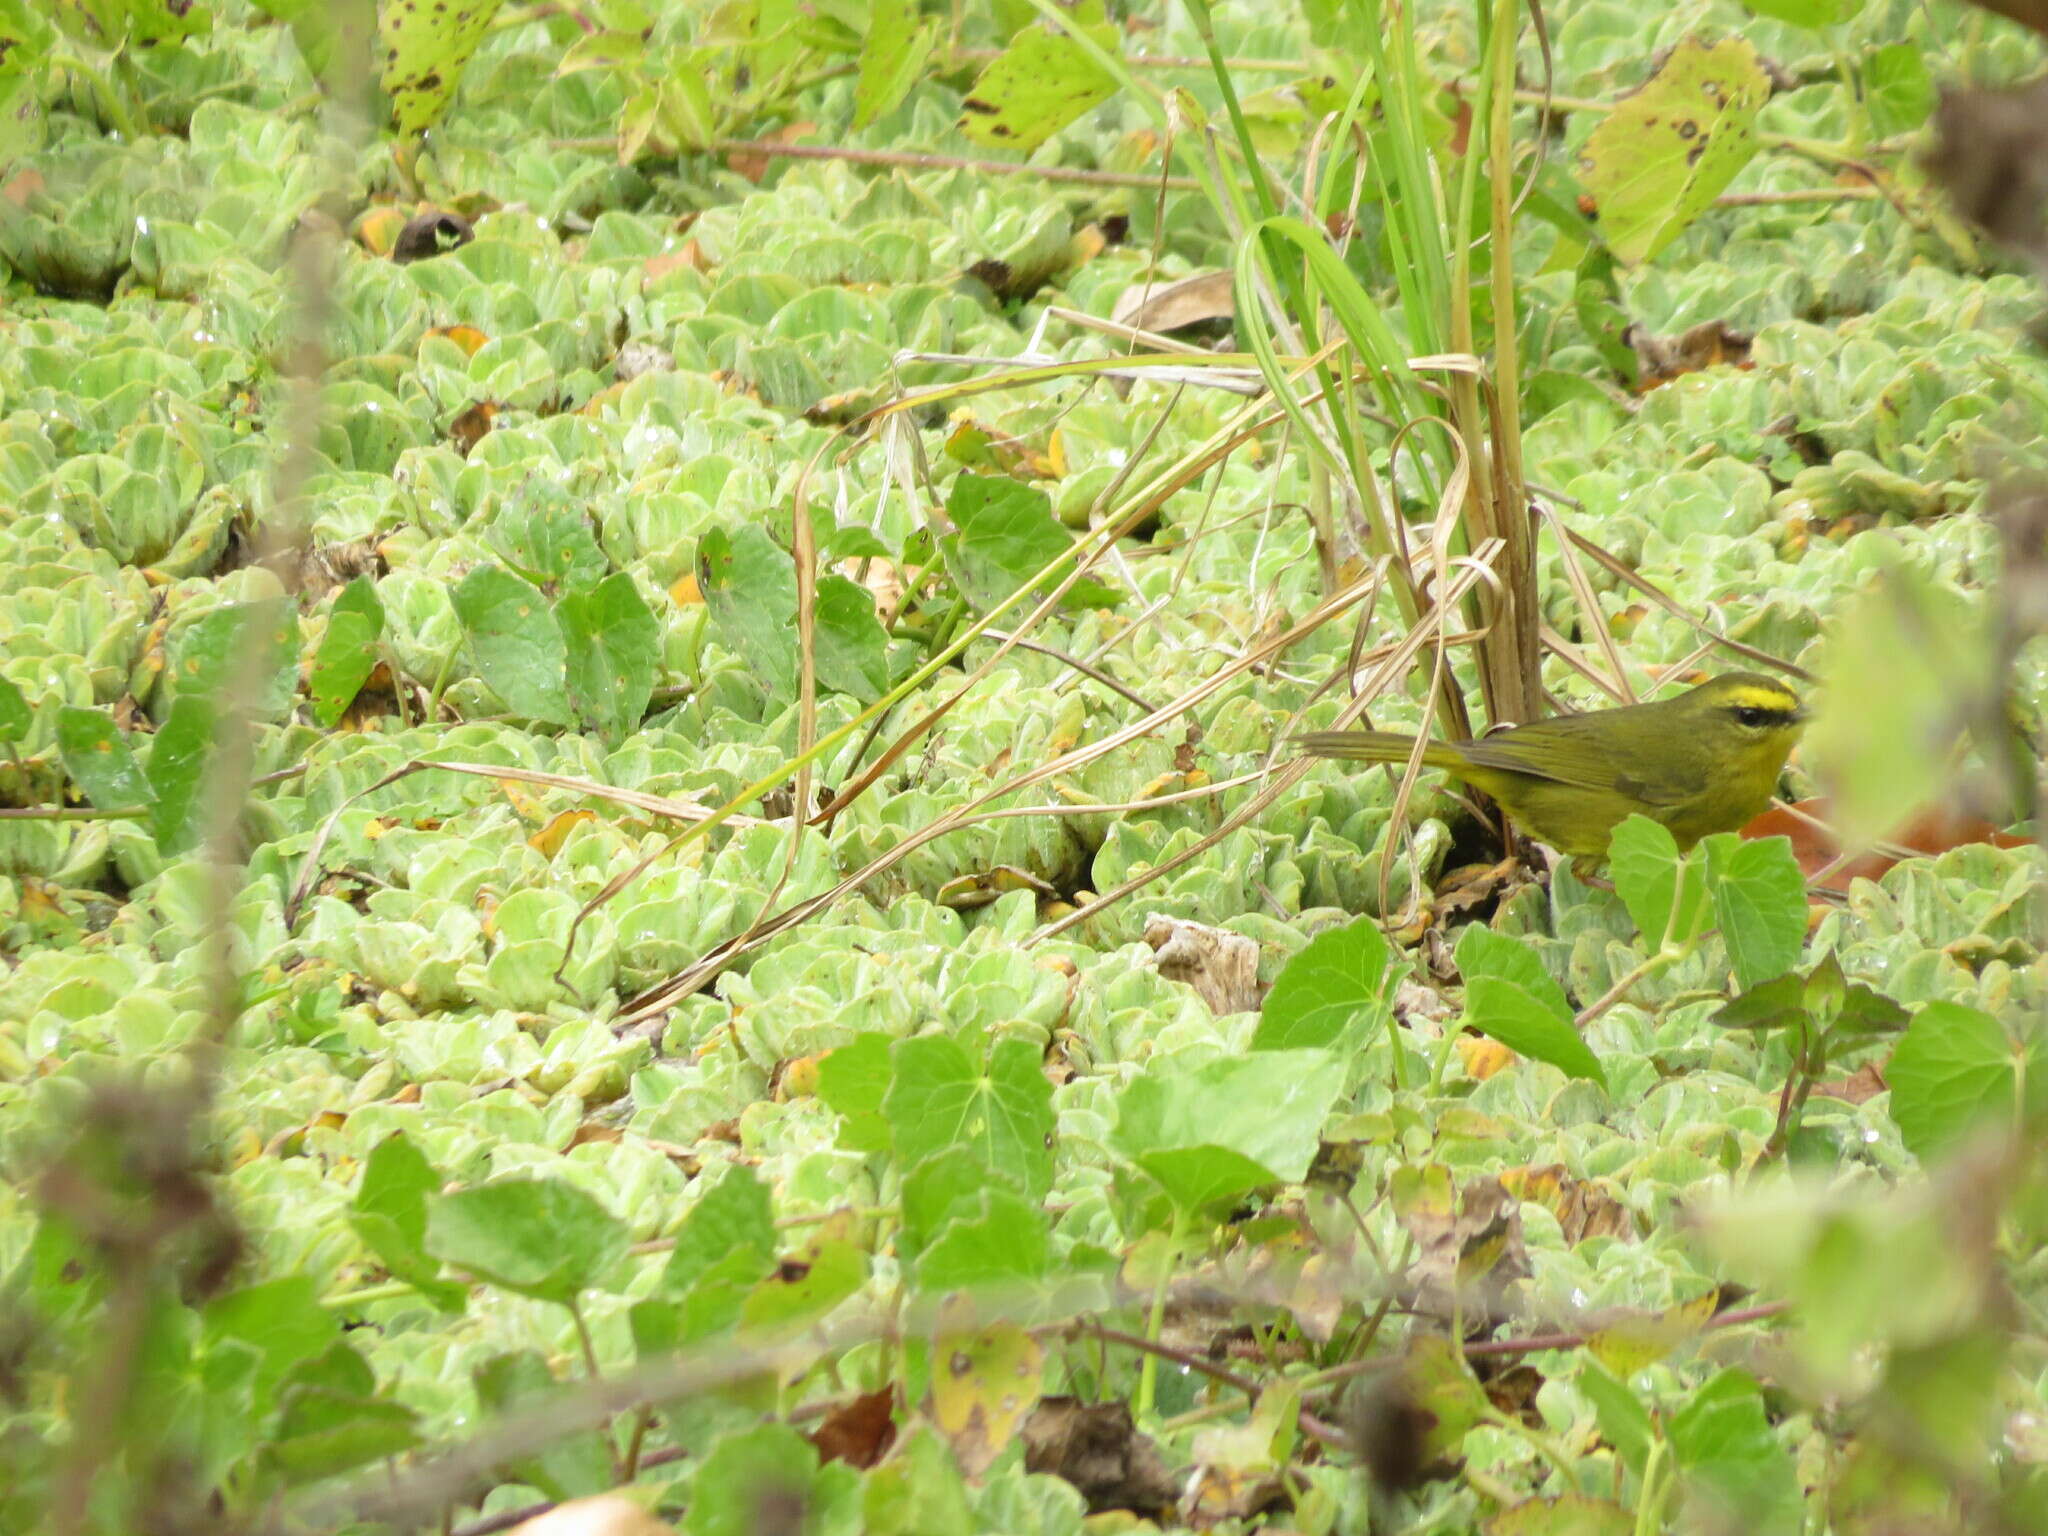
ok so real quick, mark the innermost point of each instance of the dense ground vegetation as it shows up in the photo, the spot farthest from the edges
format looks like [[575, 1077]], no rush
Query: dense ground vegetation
[[646, 831]]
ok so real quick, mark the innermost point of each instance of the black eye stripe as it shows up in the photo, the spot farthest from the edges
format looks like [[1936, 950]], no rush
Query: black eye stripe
[[1751, 714]]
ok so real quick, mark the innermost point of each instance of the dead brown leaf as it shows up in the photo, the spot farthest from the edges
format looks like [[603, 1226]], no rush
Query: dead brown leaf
[[21, 188], [1170, 306], [1219, 1494], [858, 1431], [1097, 1448], [1583, 1208], [690, 254], [1709, 344], [638, 356], [753, 164], [470, 428], [1222, 967], [1468, 1241], [1859, 1087]]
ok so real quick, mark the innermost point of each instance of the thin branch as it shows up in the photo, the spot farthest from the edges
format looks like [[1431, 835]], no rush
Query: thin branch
[[1078, 665], [910, 160]]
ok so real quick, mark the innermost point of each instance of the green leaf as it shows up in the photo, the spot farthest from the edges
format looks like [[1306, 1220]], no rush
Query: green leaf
[[546, 538], [613, 644], [1774, 1004], [423, 47], [1228, 1127], [1897, 90], [1624, 1422], [1805, 13], [1332, 994], [1865, 1010], [1043, 81], [282, 1320], [850, 647], [515, 643], [97, 757], [749, 588], [892, 56], [1886, 726], [25, 38], [1662, 156], [1955, 1070], [330, 1421], [759, 1479], [684, 107], [1510, 996], [1001, 1241], [1759, 895], [390, 1216], [539, 1237], [1439, 1381], [1652, 879], [938, 1097], [178, 758], [573, 1466], [213, 654], [852, 1081], [825, 1273], [734, 1215], [15, 715], [348, 651], [948, 1182], [1563, 1514], [1736, 1475], [1005, 534]]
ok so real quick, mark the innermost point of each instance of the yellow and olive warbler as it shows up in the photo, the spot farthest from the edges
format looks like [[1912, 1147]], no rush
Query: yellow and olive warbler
[[1704, 762]]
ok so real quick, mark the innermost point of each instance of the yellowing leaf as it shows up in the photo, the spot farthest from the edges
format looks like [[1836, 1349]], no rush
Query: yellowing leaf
[[1039, 84], [424, 44], [467, 337], [1664, 154], [1483, 1057], [1628, 1344], [983, 1384], [528, 808], [376, 230], [549, 839]]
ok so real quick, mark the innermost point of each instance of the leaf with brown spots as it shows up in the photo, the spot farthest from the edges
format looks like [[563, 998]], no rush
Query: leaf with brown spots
[[1040, 83], [1663, 155], [422, 47], [983, 1385]]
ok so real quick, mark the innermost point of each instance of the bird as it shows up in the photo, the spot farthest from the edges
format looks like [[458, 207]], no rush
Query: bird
[[1706, 761]]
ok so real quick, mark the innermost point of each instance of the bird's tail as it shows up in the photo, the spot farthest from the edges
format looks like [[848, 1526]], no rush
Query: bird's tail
[[1371, 747]]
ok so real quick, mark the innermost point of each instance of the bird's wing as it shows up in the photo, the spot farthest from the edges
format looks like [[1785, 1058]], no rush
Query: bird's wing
[[1565, 751]]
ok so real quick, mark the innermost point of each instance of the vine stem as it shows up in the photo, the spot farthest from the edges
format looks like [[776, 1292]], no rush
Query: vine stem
[[1148, 1373], [583, 1339]]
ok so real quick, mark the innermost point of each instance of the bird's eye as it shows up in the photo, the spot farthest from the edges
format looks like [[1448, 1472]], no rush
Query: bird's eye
[[1749, 714]]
